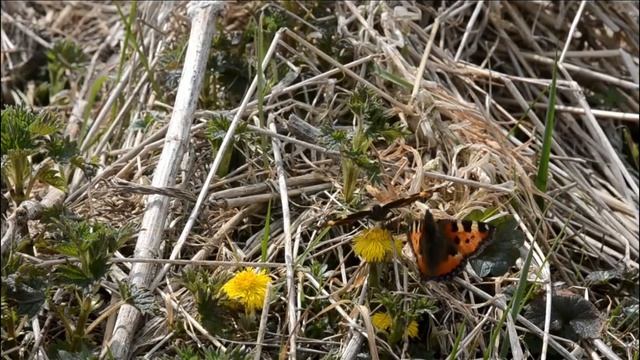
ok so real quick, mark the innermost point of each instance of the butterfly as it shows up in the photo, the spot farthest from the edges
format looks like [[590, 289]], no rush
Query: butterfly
[[378, 212], [442, 247]]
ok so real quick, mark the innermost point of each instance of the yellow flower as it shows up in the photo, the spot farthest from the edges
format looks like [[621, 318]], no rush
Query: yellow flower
[[374, 245], [384, 321], [381, 321], [248, 287], [412, 329]]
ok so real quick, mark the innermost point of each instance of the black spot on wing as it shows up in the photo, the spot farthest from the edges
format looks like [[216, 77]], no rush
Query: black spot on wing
[[454, 227], [453, 250], [483, 227], [467, 226]]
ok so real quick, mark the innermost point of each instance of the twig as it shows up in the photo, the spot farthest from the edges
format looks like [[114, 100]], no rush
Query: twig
[[468, 182], [595, 75], [467, 30], [529, 325], [28, 210], [266, 186], [262, 198], [288, 243], [574, 24], [290, 140], [219, 154], [153, 221], [27, 31], [191, 262], [263, 323], [347, 71]]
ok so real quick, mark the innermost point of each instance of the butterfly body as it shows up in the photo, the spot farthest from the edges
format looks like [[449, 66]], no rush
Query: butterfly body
[[442, 247]]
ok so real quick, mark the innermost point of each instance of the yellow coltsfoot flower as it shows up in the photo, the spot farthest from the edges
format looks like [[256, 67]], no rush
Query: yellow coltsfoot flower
[[248, 287], [381, 321], [374, 245], [412, 329]]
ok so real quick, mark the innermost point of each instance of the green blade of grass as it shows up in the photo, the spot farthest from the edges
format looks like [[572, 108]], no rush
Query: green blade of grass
[[456, 345], [93, 95], [519, 296], [127, 34], [392, 78], [514, 306], [545, 155]]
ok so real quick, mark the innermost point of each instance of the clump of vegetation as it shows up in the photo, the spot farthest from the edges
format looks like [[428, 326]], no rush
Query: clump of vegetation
[[371, 124], [72, 290], [33, 152], [216, 130], [398, 317], [65, 60]]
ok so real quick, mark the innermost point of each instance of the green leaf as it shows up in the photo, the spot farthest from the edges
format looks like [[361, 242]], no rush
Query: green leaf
[[142, 299], [212, 309], [67, 55], [217, 128], [62, 150], [332, 138], [72, 275], [42, 128], [502, 252], [391, 133], [26, 140], [23, 129], [53, 178], [93, 244], [99, 266], [67, 249], [572, 316], [92, 96], [26, 290], [456, 345]]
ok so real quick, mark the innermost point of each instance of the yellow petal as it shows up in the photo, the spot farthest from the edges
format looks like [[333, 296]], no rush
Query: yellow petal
[[248, 287], [373, 245], [381, 321], [412, 329]]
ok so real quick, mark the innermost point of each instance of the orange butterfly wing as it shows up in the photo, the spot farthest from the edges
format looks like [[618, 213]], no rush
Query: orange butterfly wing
[[447, 267], [415, 238], [468, 236], [442, 247]]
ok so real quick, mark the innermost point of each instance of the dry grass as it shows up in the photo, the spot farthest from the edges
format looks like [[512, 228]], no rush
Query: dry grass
[[469, 81]]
